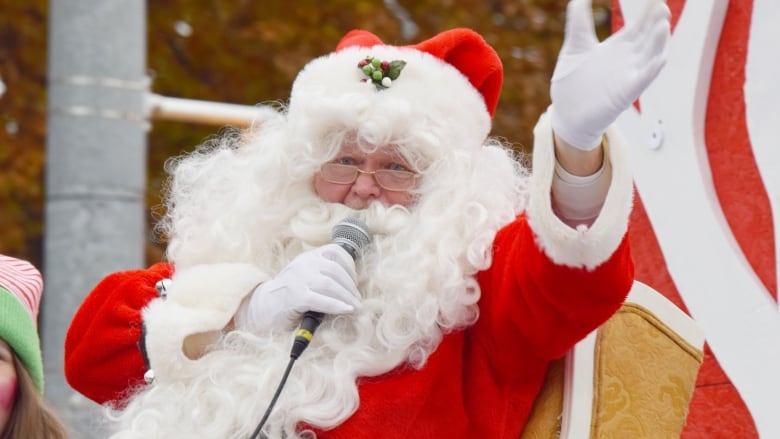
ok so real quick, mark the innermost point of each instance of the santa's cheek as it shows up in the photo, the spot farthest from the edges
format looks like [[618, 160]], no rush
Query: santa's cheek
[[7, 395]]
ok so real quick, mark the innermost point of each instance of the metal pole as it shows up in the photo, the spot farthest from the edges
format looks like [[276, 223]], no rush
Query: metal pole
[[95, 173], [206, 112]]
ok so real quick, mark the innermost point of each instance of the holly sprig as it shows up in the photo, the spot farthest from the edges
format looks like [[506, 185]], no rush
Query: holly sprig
[[381, 73]]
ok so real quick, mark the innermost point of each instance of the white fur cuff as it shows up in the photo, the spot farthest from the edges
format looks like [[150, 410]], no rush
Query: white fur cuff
[[201, 299], [584, 246]]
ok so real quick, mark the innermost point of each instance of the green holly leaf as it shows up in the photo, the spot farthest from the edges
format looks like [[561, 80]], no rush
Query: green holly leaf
[[395, 69]]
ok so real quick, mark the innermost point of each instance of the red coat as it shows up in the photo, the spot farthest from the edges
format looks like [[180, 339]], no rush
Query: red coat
[[479, 383]]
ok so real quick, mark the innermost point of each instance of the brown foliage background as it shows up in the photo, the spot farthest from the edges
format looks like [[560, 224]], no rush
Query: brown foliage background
[[248, 52]]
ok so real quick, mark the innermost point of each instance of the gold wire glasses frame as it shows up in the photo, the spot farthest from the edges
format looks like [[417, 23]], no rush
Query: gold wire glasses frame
[[388, 179]]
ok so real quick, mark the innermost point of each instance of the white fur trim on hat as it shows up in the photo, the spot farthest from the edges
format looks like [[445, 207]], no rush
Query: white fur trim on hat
[[584, 246], [429, 94]]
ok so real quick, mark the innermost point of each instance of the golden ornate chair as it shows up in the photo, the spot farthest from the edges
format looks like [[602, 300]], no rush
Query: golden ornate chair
[[631, 378]]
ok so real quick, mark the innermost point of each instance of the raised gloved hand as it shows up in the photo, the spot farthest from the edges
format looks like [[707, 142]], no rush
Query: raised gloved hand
[[320, 280], [594, 81]]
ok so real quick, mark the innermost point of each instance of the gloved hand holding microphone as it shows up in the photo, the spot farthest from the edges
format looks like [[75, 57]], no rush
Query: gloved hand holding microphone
[[316, 282], [322, 280]]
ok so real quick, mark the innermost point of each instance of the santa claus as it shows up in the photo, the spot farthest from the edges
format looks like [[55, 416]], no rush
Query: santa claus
[[477, 275]]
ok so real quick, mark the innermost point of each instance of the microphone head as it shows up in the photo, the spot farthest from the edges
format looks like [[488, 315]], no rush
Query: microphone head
[[352, 234]]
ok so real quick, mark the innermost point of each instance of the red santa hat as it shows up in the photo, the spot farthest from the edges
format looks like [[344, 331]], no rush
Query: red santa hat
[[452, 79]]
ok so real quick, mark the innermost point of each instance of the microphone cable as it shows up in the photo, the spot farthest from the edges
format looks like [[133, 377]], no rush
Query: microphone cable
[[311, 320], [273, 400]]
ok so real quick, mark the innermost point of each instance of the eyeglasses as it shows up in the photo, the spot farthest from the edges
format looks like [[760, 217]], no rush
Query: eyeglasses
[[389, 179]]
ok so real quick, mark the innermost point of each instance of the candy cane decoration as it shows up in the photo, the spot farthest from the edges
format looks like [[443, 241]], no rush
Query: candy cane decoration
[[674, 177]]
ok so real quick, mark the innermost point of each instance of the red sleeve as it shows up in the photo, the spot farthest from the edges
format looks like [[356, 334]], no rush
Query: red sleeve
[[102, 357], [531, 304]]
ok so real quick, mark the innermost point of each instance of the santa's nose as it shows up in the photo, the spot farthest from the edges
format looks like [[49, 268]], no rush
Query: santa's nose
[[366, 187]]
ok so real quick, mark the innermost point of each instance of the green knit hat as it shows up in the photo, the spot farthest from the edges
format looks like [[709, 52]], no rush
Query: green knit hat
[[21, 286]]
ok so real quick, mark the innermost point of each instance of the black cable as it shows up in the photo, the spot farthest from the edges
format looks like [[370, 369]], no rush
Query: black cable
[[311, 320], [273, 400]]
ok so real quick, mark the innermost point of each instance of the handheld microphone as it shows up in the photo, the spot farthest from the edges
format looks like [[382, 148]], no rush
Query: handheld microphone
[[352, 235]]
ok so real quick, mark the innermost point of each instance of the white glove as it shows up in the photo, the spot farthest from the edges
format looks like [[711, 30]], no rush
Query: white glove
[[320, 280], [594, 82]]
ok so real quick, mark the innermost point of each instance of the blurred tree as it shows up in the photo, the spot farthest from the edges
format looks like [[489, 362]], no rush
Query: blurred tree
[[22, 127], [248, 52]]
